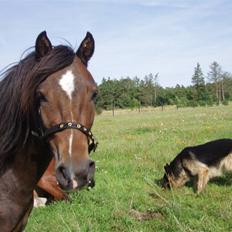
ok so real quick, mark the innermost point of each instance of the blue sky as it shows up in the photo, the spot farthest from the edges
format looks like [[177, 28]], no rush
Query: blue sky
[[133, 37]]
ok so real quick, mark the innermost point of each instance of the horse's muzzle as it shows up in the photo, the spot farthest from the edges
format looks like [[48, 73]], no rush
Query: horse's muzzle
[[70, 178]]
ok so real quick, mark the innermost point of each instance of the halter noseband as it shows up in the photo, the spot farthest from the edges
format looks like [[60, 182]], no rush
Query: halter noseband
[[92, 141]]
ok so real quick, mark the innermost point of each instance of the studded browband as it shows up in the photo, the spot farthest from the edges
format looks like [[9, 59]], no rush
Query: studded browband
[[70, 125]]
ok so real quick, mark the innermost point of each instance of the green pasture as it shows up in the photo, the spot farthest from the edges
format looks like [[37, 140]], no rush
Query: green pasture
[[133, 148]]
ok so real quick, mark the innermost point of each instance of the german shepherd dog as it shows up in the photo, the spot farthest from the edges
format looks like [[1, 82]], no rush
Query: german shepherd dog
[[199, 163]]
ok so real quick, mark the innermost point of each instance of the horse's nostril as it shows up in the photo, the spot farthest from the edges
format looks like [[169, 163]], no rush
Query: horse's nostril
[[91, 164], [63, 176], [62, 171]]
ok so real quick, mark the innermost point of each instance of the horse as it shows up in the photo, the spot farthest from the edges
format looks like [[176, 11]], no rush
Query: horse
[[47, 110], [48, 187]]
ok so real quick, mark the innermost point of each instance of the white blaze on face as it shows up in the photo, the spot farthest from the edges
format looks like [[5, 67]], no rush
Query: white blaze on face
[[67, 84], [70, 143]]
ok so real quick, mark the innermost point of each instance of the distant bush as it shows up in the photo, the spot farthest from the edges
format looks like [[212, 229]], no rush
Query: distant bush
[[98, 110], [202, 103], [225, 102], [192, 104]]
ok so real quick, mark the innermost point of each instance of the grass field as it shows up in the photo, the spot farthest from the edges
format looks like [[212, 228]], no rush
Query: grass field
[[127, 197]]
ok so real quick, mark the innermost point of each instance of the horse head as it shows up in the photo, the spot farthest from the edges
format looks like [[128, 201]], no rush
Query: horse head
[[66, 111]]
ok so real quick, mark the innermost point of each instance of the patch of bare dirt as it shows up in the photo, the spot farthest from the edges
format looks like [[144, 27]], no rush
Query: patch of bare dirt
[[142, 216]]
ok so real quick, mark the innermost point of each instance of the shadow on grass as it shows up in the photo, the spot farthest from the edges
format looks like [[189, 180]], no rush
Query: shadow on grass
[[225, 180], [158, 182]]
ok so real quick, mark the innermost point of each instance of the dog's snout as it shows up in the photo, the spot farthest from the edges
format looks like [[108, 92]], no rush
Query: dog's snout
[[165, 182]]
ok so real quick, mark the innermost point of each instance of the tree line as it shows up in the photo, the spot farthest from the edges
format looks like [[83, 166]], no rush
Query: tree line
[[206, 90]]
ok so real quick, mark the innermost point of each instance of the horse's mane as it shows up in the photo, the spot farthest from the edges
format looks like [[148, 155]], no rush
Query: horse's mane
[[17, 96]]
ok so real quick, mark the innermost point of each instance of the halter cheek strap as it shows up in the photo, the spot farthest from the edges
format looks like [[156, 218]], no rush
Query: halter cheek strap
[[92, 141]]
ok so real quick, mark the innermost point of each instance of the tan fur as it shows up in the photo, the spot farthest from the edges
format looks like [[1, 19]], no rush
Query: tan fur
[[203, 172], [178, 182]]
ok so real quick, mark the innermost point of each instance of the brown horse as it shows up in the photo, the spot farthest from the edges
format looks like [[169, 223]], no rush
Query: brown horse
[[48, 187], [46, 107]]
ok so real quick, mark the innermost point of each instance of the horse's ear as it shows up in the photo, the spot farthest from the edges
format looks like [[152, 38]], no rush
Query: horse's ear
[[86, 49], [42, 45]]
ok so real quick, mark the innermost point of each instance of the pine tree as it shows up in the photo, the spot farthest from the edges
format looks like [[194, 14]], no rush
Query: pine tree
[[215, 76], [198, 82]]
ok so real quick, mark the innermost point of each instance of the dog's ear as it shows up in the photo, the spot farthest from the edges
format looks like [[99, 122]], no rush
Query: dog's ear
[[166, 168]]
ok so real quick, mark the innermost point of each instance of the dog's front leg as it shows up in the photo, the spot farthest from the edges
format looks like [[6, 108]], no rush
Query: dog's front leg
[[203, 178]]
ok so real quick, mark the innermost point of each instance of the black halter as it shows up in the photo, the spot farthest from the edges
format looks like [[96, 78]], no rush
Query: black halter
[[92, 141]]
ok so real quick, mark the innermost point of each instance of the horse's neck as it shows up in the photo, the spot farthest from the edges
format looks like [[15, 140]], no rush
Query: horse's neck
[[18, 181], [31, 163]]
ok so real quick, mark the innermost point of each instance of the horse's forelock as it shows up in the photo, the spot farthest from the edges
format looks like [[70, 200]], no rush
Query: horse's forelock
[[59, 58]]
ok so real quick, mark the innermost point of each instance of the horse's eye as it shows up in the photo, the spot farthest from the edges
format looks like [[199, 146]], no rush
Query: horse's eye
[[41, 97], [94, 96]]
